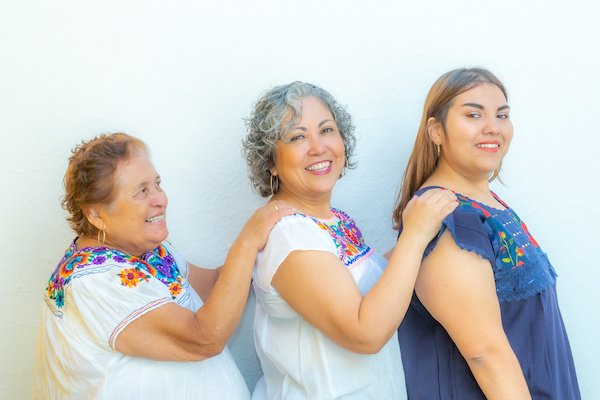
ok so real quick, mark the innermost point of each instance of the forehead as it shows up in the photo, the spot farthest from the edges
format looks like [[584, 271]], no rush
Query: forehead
[[483, 94], [306, 108], [135, 170]]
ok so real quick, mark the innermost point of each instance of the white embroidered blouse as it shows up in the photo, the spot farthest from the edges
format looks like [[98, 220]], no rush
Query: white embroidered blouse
[[298, 361], [91, 297]]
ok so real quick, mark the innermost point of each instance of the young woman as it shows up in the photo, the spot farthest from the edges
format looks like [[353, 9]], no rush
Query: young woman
[[484, 321]]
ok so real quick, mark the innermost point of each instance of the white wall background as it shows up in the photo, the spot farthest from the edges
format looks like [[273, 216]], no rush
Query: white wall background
[[182, 75]]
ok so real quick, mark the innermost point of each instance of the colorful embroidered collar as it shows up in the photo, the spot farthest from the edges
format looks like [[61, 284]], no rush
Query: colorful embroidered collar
[[157, 263], [346, 236]]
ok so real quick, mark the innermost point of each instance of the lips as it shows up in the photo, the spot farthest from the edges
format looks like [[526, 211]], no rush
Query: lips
[[158, 218], [319, 167], [489, 146]]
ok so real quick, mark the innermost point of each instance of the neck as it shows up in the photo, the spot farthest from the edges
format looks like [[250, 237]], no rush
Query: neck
[[88, 241], [468, 185], [319, 207]]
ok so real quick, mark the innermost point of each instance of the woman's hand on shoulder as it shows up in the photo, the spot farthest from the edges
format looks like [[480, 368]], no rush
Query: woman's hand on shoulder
[[424, 214], [256, 230]]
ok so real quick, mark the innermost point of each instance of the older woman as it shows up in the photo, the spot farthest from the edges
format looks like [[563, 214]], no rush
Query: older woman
[[126, 316], [327, 306]]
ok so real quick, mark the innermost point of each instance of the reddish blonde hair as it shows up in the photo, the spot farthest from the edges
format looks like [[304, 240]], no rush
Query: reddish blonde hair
[[423, 159], [89, 180]]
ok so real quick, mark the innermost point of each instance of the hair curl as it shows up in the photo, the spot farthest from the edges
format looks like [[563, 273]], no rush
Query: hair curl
[[267, 124], [423, 159], [89, 180]]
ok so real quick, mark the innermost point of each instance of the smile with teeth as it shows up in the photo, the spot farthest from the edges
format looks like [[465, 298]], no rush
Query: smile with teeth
[[156, 219], [488, 145], [322, 166]]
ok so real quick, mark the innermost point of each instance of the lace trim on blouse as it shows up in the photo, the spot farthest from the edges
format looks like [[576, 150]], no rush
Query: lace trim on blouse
[[521, 268]]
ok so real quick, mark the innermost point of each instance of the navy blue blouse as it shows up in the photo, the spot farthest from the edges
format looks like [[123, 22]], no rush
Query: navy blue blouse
[[525, 285]]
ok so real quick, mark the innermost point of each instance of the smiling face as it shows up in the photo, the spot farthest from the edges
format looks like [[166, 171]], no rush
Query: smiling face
[[310, 157], [135, 221], [477, 133]]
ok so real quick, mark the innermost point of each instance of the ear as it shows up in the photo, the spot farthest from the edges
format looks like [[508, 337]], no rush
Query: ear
[[434, 129], [273, 170], [93, 216]]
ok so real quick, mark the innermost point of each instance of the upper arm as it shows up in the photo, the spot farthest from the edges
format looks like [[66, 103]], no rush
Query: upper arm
[[169, 333], [458, 289], [319, 287], [202, 280]]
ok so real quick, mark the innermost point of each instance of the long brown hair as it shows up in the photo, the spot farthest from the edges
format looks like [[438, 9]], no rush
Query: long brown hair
[[424, 158]]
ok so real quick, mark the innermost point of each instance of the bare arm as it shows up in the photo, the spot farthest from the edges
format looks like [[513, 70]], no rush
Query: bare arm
[[457, 287], [202, 280], [321, 289], [173, 333]]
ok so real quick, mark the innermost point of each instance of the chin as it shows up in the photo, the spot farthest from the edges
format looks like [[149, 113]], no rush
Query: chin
[[159, 237]]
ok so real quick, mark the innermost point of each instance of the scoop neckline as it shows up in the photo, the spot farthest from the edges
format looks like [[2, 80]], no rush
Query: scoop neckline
[[329, 219]]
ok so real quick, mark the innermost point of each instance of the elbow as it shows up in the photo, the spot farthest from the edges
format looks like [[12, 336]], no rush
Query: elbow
[[367, 345], [208, 351], [375, 346], [487, 356], [208, 343]]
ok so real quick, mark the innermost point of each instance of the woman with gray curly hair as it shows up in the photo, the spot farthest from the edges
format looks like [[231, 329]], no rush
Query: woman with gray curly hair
[[327, 306]]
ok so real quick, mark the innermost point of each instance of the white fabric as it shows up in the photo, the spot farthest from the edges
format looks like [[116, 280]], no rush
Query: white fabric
[[298, 361], [75, 359]]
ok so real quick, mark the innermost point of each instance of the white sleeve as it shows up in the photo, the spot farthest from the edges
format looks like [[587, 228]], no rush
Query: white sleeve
[[108, 301], [291, 233]]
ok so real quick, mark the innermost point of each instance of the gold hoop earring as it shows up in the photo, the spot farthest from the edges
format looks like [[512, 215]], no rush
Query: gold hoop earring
[[276, 184], [103, 237], [438, 149], [344, 170]]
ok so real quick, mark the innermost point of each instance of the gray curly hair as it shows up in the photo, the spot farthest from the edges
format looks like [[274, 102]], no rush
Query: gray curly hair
[[266, 125]]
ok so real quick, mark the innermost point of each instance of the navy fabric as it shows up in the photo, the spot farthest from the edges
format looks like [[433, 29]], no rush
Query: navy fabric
[[525, 282]]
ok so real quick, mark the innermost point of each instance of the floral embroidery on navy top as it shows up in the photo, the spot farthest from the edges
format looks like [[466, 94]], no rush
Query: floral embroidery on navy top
[[346, 236], [521, 268], [157, 263]]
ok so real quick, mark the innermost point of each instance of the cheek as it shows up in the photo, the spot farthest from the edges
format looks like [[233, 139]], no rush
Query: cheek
[[508, 136], [338, 145]]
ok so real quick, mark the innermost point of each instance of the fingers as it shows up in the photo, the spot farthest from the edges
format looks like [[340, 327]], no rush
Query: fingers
[[258, 227], [277, 209], [281, 207], [424, 214], [439, 199]]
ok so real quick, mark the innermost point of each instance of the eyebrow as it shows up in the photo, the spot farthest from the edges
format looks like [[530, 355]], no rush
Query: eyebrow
[[320, 124], [480, 107], [144, 184]]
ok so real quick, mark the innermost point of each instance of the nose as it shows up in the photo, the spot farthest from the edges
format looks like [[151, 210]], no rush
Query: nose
[[492, 126], [158, 198], [317, 144]]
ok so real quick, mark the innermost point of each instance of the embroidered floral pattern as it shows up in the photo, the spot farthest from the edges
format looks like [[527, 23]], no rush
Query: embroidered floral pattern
[[131, 277], [511, 253], [462, 201], [346, 236], [175, 288], [157, 263]]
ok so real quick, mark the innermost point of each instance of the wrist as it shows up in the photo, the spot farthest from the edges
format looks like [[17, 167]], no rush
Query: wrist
[[415, 239], [246, 246]]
